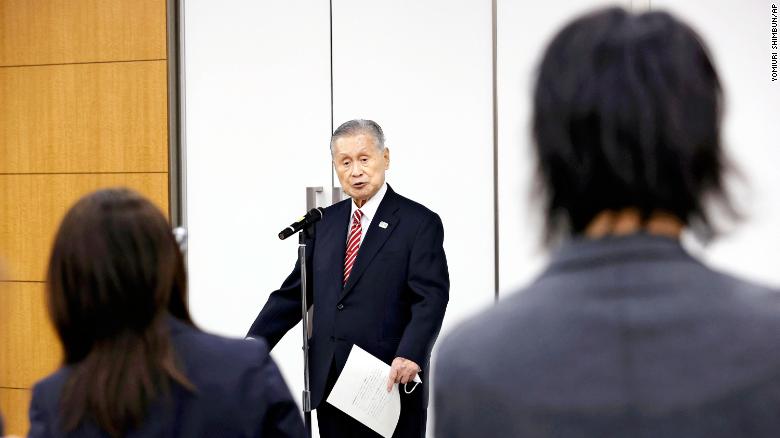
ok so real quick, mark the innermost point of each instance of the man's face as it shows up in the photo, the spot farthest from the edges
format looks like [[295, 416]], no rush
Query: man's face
[[360, 166]]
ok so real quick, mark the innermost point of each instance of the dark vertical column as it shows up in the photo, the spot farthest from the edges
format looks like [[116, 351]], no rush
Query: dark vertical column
[[176, 180], [495, 148]]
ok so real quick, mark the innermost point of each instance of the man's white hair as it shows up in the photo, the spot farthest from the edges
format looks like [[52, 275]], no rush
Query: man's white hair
[[359, 126]]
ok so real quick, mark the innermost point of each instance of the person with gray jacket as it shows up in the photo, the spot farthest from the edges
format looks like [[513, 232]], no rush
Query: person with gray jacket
[[624, 334]]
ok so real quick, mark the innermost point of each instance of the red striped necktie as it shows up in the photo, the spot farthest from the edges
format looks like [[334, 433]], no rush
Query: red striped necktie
[[353, 243]]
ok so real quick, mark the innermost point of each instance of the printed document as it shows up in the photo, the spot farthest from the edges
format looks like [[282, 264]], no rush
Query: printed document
[[361, 392]]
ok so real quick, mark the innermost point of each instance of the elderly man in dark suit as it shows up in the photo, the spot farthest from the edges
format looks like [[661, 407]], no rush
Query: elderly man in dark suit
[[379, 281], [624, 334]]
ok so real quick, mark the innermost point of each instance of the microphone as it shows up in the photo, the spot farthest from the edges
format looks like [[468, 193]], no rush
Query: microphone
[[314, 215]]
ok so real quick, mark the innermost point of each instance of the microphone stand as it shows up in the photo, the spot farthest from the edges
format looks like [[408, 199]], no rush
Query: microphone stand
[[304, 318]]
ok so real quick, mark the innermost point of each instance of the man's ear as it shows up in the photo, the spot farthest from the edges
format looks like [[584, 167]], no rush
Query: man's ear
[[386, 156]]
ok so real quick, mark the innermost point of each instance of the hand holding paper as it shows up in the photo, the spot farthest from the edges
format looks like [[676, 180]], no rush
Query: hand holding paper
[[361, 393], [402, 371]]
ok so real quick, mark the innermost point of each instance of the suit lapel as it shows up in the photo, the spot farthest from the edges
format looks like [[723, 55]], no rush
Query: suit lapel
[[335, 246], [376, 237]]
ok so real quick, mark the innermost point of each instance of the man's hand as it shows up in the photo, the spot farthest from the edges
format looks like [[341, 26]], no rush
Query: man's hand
[[401, 371]]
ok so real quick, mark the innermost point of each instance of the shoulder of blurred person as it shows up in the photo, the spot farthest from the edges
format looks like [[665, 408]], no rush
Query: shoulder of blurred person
[[625, 334], [619, 336], [241, 374], [239, 391]]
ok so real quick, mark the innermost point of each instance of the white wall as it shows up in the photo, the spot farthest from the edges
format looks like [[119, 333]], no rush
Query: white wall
[[257, 130]]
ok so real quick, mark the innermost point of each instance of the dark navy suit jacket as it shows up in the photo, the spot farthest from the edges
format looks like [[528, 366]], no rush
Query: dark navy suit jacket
[[620, 337], [239, 393], [393, 303]]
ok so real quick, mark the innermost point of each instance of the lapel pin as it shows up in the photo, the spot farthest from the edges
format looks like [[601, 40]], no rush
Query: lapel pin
[[383, 224]]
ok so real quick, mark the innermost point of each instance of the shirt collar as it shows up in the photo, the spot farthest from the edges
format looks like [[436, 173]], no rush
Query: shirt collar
[[582, 251], [370, 207]]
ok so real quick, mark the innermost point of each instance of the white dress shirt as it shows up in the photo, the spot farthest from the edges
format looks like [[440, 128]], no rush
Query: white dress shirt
[[369, 211]]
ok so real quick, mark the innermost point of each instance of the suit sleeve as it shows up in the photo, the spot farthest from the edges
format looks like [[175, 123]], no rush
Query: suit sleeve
[[40, 426], [283, 308], [429, 281]]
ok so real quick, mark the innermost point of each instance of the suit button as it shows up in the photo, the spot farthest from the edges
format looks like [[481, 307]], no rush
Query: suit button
[[340, 306], [332, 339]]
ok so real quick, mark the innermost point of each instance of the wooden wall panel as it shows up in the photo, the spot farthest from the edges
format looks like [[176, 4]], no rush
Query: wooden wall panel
[[30, 350], [14, 404], [68, 31], [84, 118], [83, 87], [36, 204]]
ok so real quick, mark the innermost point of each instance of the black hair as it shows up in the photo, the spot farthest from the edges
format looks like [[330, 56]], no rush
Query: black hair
[[115, 275], [627, 112]]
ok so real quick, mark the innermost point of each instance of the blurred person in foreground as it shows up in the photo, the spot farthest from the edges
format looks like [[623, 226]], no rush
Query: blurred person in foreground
[[134, 363], [624, 334]]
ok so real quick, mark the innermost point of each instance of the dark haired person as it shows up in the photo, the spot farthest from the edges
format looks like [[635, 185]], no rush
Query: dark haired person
[[624, 334], [134, 364]]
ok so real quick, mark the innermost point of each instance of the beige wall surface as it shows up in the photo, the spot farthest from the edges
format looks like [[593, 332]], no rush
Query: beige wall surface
[[84, 91]]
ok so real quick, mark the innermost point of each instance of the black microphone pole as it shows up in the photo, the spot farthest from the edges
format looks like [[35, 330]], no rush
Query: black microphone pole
[[304, 318], [308, 220]]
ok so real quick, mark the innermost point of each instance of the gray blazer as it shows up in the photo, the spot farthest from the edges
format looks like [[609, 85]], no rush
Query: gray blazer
[[619, 337]]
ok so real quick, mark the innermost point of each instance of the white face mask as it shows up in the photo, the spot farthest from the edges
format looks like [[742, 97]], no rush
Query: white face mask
[[408, 391], [416, 382]]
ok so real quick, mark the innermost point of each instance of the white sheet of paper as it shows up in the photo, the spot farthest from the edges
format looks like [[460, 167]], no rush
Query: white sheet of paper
[[361, 393]]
